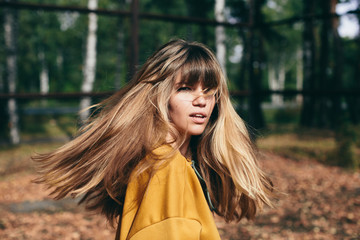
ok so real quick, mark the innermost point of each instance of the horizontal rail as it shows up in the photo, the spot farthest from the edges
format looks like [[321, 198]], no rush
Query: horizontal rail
[[171, 18], [148, 16], [314, 93], [244, 93], [308, 17], [320, 93], [72, 95]]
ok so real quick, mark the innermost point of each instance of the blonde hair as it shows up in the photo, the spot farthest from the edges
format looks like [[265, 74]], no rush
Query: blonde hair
[[134, 121]]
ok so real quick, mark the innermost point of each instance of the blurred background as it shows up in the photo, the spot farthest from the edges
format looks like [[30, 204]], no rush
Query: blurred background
[[293, 71]]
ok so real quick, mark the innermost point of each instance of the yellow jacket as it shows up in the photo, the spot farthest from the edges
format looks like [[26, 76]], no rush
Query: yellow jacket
[[172, 208]]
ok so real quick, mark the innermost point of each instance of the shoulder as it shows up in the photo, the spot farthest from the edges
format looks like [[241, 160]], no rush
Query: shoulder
[[153, 192], [171, 165], [168, 158], [162, 162], [167, 152]]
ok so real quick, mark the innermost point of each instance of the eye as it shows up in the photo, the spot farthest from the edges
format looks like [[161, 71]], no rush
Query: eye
[[209, 91], [184, 88]]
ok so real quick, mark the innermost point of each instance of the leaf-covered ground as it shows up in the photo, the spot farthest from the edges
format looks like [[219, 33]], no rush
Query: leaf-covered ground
[[321, 202]]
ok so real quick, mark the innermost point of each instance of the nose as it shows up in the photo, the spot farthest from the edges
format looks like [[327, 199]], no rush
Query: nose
[[200, 100]]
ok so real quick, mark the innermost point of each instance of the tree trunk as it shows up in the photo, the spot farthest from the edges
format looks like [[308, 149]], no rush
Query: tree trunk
[[89, 69], [322, 102], [134, 53], [307, 111], [353, 102], [59, 70], [119, 72], [299, 75], [3, 120], [44, 76], [11, 68], [273, 84], [255, 63], [335, 114], [220, 35], [2, 85], [243, 64], [277, 82]]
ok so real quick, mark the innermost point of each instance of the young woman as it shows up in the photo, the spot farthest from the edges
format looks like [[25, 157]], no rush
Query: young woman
[[165, 153]]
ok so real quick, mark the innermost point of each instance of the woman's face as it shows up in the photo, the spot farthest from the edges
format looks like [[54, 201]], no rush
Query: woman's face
[[190, 108]]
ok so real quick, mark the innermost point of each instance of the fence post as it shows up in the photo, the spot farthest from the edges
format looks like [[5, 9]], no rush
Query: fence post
[[307, 111], [134, 54], [254, 65]]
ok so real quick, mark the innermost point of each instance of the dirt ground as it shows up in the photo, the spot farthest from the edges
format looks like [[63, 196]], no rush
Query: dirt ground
[[321, 202]]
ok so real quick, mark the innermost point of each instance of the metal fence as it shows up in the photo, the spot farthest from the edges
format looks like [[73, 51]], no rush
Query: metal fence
[[133, 15]]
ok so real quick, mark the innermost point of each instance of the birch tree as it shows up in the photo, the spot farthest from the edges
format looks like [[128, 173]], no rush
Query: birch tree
[[3, 120], [89, 69], [11, 68], [44, 75], [220, 35], [299, 75], [277, 81], [284, 54]]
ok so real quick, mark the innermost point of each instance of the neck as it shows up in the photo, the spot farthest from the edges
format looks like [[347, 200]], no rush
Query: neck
[[184, 148]]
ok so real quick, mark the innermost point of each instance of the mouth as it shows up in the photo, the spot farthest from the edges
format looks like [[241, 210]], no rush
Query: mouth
[[198, 118], [198, 115]]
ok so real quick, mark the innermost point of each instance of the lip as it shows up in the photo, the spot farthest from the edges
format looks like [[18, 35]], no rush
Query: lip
[[198, 117]]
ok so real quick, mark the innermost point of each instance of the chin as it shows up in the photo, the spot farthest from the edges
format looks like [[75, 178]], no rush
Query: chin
[[196, 132]]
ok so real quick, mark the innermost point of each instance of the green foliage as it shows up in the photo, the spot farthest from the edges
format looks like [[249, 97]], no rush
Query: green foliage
[[281, 9], [48, 126], [62, 51], [286, 116], [351, 63], [282, 115], [283, 42]]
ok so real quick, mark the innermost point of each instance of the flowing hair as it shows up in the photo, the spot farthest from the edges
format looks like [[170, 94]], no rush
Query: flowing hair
[[114, 144]]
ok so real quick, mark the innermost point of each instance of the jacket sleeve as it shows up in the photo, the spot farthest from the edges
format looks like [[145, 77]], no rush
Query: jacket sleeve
[[171, 229]]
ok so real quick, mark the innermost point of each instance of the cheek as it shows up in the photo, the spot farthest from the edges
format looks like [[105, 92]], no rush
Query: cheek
[[177, 108], [174, 110], [211, 105], [171, 113], [171, 108], [177, 112]]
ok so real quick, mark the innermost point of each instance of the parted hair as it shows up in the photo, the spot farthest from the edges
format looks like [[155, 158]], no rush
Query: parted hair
[[113, 146]]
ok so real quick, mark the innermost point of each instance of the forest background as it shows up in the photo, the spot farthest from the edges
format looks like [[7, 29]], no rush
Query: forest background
[[292, 77]]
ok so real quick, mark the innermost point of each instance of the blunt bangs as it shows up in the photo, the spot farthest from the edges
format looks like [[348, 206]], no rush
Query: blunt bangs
[[200, 66]]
